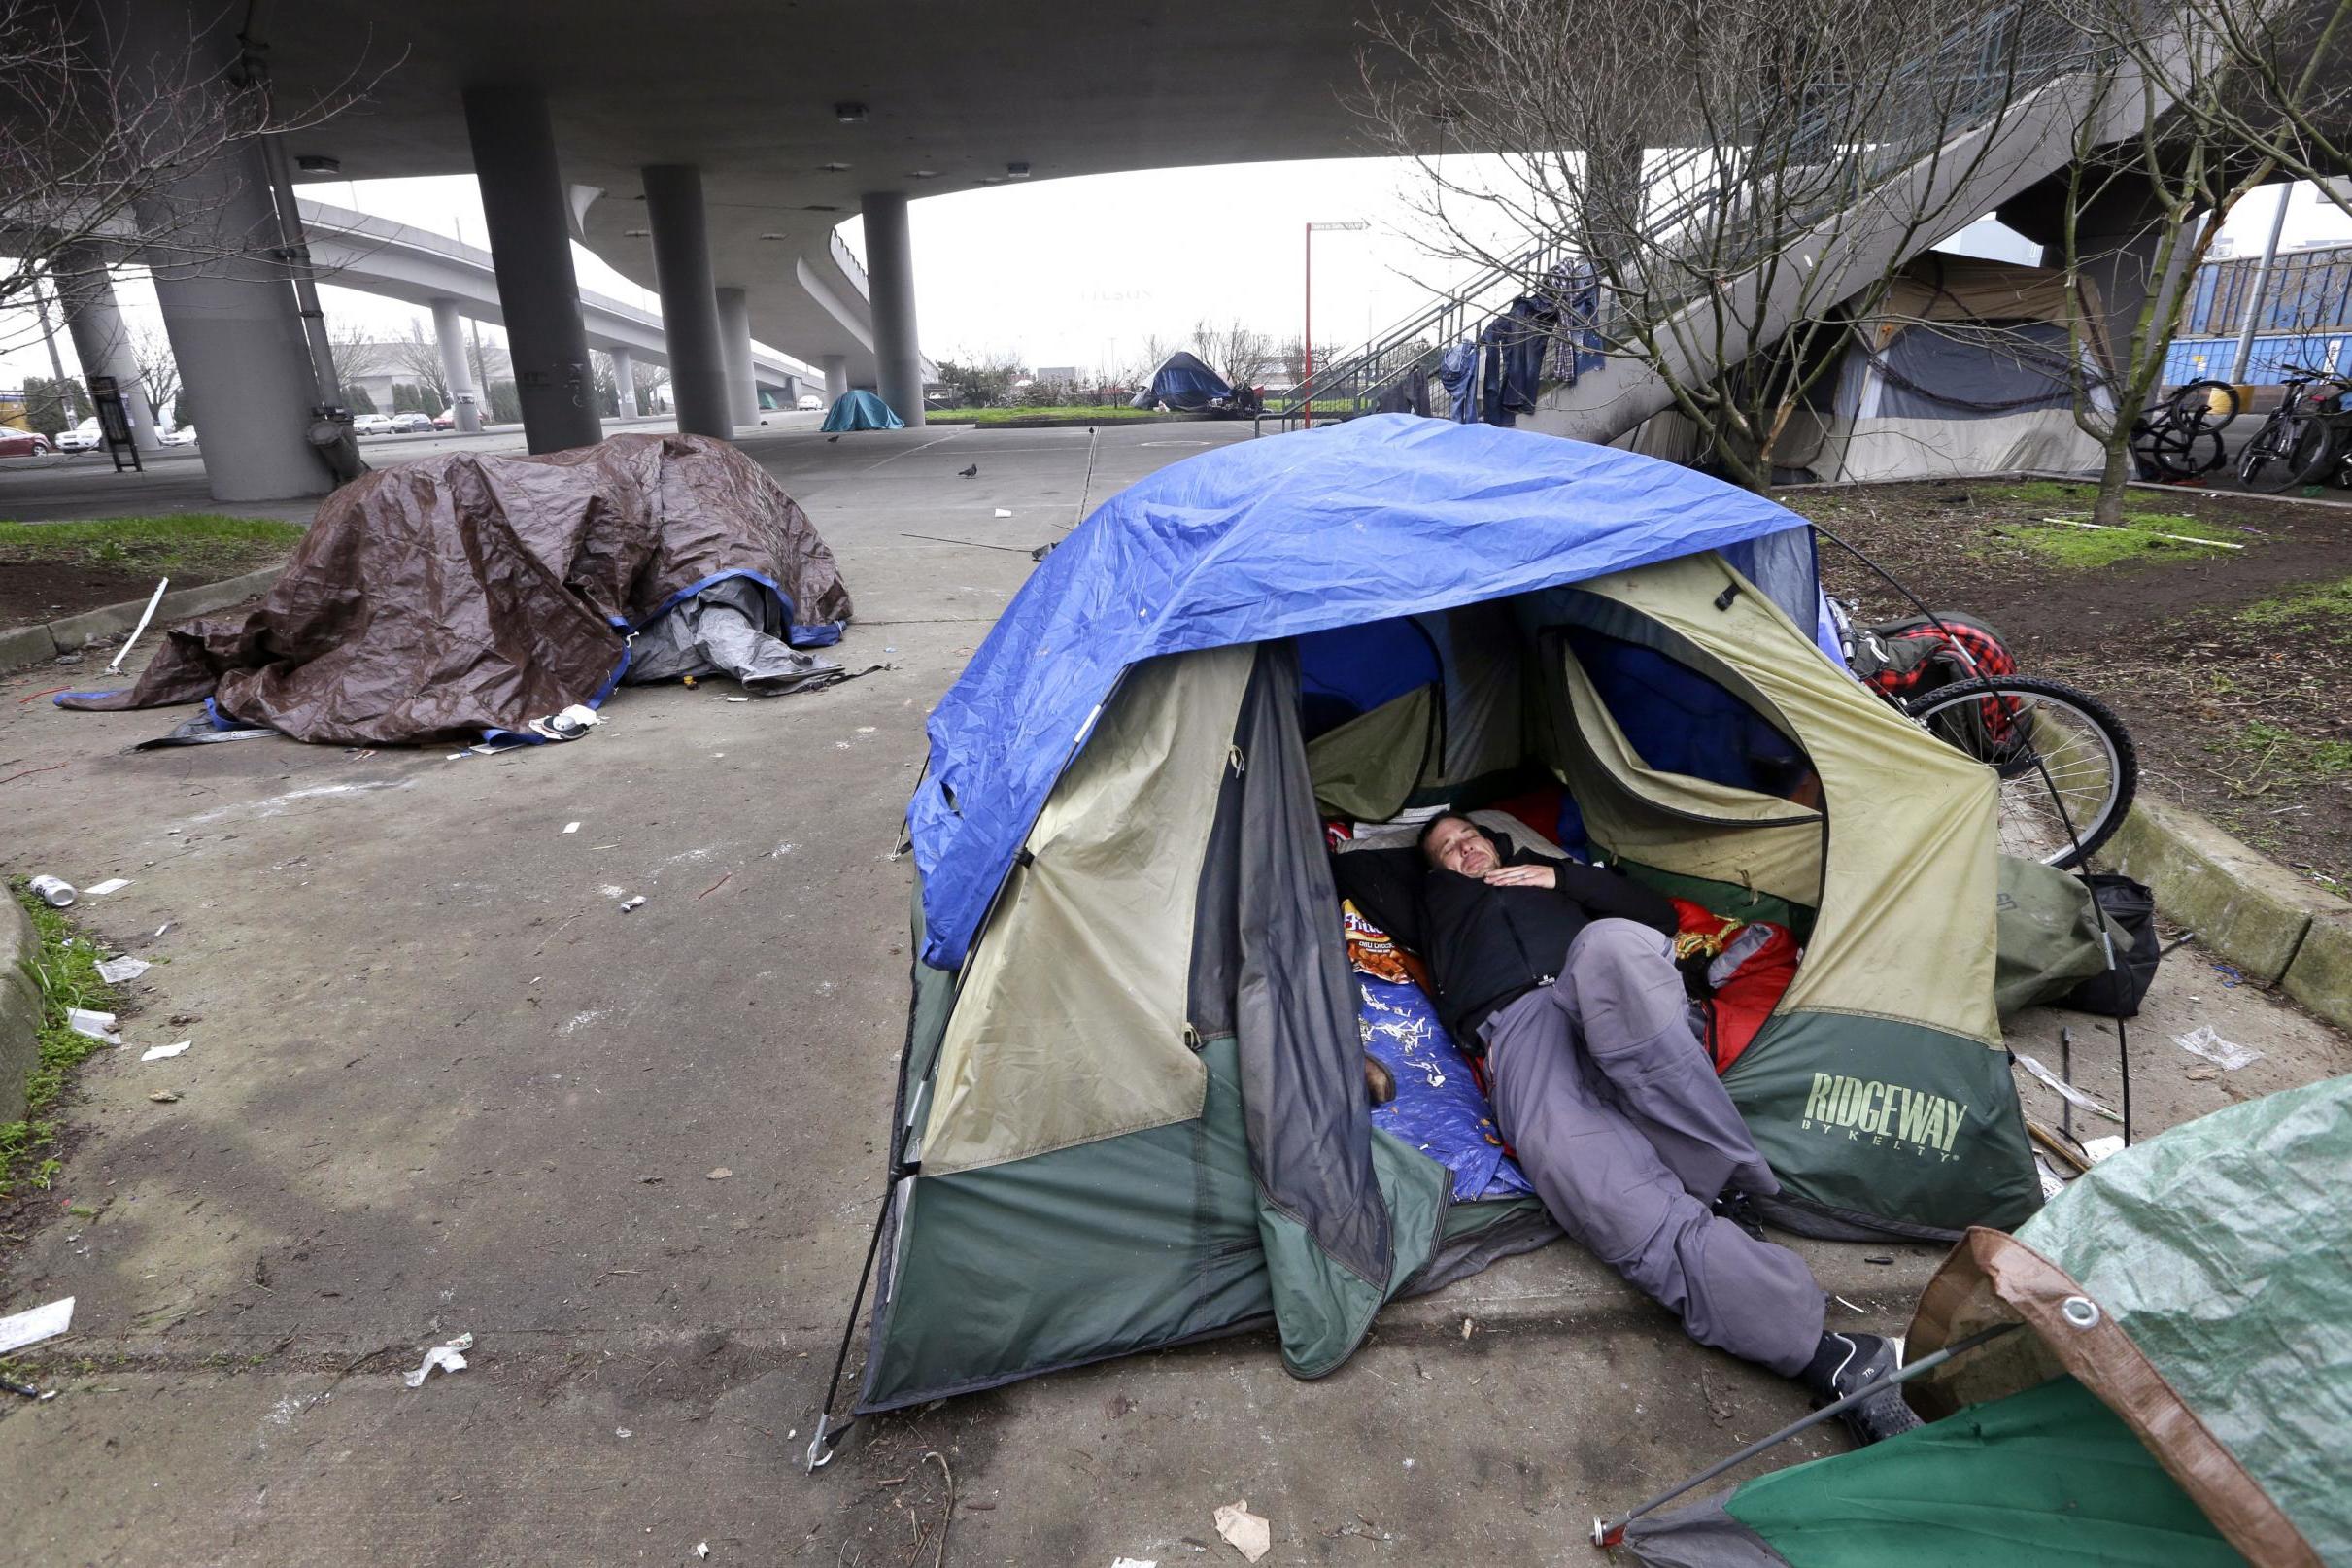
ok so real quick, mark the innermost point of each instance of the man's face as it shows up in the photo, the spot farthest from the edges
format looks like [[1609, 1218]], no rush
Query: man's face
[[1459, 847]]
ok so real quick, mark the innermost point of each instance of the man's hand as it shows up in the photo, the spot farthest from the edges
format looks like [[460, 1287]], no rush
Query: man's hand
[[1522, 877]]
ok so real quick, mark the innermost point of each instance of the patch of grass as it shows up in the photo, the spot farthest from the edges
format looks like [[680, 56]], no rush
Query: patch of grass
[[2153, 536], [2262, 756], [198, 546], [2322, 610], [64, 972]]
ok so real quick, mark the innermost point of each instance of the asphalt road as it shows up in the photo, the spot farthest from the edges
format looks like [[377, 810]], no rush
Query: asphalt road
[[441, 1083]]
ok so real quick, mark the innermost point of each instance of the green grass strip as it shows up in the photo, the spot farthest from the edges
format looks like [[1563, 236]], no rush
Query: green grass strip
[[64, 971]]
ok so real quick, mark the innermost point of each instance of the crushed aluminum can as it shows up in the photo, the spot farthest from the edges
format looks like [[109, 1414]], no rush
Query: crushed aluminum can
[[54, 891]]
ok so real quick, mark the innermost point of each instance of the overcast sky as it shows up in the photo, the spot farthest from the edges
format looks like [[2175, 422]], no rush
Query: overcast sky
[[1080, 272]]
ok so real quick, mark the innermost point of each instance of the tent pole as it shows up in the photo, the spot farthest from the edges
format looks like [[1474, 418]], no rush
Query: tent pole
[[820, 1451], [1611, 1533]]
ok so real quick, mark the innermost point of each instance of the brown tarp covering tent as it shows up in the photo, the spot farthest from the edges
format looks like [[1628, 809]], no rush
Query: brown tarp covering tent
[[466, 596]]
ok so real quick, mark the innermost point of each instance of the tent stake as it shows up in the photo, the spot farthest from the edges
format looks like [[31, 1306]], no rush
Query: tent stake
[[1608, 1533]]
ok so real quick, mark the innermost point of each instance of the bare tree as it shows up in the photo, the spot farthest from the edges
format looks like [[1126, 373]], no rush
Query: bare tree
[[158, 372], [1239, 353], [653, 383], [95, 136], [1706, 191], [417, 357], [2271, 79], [2221, 115], [356, 354]]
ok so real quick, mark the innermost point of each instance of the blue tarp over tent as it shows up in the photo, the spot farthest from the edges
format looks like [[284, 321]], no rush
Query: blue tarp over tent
[[1184, 383], [1376, 518], [861, 411]]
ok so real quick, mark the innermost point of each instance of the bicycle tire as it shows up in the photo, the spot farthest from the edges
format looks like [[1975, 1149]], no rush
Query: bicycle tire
[[2192, 405], [2318, 448], [2263, 466], [2028, 812]]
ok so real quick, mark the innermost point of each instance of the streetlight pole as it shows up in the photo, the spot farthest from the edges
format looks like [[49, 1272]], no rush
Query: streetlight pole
[[1306, 356]]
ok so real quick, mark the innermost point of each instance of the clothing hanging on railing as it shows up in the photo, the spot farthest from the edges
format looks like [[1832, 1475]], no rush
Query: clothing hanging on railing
[[1514, 342], [1409, 394], [1458, 373], [1574, 290]]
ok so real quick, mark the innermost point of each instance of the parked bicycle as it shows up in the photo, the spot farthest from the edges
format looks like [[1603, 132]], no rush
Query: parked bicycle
[[2178, 438], [2307, 439], [2067, 765]]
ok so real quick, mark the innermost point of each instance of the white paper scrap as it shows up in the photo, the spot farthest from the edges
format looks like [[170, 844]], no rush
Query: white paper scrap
[[2052, 1183], [96, 1025], [1134, 1562], [1002, 512], [156, 1053], [572, 827], [2228, 1055], [115, 970], [1251, 1536], [2099, 1149], [113, 884], [448, 1357], [2064, 1090], [38, 1323]]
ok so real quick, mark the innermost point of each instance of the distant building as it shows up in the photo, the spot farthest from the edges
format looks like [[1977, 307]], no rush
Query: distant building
[[1055, 374], [2306, 316]]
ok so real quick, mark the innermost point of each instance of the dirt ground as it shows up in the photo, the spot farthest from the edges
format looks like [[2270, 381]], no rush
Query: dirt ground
[[49, 570], [2227, 664]]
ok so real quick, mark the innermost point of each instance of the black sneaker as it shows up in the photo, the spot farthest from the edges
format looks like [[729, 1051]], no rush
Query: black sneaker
[[1733, 1205], [1847, 1362]]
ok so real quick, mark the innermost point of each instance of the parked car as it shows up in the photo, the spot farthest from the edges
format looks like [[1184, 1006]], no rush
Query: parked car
[[15, 443], [809, 404], [372, 425], [184, 436], [446, 420], [83, 437], [412, 423]]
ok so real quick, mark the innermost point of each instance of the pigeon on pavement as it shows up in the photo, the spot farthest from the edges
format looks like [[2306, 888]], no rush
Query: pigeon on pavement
[[967, 473]]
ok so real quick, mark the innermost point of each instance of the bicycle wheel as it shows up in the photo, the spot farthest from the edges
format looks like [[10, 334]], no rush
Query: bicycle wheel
[[2067, 765], [2264, 465], [2317, 448], [2173, 452], [2205, 404]]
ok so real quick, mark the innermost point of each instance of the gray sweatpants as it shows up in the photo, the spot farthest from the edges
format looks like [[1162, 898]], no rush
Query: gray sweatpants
[[1615, 1113]]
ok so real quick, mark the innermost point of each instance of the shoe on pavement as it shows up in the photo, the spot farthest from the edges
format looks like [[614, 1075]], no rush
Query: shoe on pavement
[[1847, 1362]]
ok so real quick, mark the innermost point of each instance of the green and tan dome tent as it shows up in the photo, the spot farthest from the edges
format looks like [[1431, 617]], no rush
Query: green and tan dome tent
[[2179, 1394], [1132, 1108]]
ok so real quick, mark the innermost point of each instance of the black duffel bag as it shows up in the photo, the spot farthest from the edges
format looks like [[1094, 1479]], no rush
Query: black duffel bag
[[2129, 909]]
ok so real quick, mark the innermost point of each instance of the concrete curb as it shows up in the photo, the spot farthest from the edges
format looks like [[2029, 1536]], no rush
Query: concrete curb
[[2276, 927], [20, 1008], [36, 644]]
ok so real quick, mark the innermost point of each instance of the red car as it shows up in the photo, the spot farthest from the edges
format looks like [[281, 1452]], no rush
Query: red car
[[24, 444]]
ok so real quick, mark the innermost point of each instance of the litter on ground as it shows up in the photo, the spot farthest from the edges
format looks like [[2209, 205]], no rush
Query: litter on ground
[[2099, 1149], [449, 1357], [113, 884], [628, 904], [572, 827], [2064, 1090], [1249, 1535], [35, 1324], [92, 1023], [54, 891], [156, 1053], [2228, 1055], [115, 970]]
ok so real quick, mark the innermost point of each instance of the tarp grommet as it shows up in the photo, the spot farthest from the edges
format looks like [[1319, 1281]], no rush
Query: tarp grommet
[[2081, 1312]]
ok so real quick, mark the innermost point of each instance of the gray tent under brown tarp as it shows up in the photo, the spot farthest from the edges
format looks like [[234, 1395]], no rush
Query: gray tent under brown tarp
[[466, 595]]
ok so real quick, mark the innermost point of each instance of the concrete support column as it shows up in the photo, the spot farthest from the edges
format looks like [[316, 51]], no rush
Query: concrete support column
[[449, 334], [524, 205], [86, 294], [890, 284], [690, 304], [836, 376], [735, 345], [625, 381]]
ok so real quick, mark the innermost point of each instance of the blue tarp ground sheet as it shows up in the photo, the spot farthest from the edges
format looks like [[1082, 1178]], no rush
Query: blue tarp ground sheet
[[861, 411], [1278, 537], [1438, 1108]]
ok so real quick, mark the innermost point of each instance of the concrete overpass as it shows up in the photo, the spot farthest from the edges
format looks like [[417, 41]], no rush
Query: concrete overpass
[[396, 261], [707, 152]]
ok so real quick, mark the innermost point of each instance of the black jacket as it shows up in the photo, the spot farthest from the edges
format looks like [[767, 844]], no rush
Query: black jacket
[[1489, 945]]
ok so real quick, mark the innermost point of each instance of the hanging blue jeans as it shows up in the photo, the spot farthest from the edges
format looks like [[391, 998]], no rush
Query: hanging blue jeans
[[1459, 372]]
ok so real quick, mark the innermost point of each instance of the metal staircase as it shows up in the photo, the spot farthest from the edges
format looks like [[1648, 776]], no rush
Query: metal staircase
[[1996, 110]]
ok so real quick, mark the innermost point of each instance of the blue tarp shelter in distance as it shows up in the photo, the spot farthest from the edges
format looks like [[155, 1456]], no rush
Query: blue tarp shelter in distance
[[861, 411], [1184, 384], [1376, 518]]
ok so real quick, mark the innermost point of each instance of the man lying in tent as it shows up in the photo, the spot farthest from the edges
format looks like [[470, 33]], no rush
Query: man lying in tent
[[1563, 975]]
